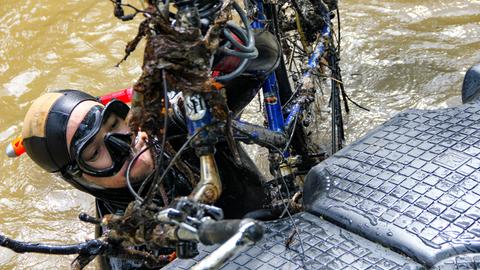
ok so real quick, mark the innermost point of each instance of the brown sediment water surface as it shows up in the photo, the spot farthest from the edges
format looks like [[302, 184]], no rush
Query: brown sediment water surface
[[395, 55]]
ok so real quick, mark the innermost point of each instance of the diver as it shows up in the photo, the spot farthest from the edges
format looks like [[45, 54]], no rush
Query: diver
[[90, 145], [71, 133]]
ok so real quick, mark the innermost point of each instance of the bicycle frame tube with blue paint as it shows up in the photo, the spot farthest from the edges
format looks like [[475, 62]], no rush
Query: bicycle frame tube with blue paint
[[271, 96], [273, 108], [198, 114], [313, 62]]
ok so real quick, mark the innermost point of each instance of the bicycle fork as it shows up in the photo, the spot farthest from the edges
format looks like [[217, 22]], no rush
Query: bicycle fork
[[199, 117]]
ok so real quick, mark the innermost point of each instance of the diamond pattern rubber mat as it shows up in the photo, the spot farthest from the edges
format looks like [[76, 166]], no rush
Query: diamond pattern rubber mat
[[325, 246], [412, 184]]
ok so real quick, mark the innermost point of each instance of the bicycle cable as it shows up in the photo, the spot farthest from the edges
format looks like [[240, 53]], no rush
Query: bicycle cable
[[166, 101], [129, 168], [297, 231], [172, 162]]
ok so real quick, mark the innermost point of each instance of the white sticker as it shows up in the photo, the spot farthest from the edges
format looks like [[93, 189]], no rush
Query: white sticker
[[195, 107]]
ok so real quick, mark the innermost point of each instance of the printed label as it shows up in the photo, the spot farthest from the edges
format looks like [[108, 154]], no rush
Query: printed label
[[195, 107]]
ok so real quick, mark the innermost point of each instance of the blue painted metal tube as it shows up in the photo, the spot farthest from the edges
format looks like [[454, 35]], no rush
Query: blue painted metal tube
[[270, 89], [194, 125], [272, 104], [197, 112], [296, 109], [312, 64], [319, 51], [259, 23]]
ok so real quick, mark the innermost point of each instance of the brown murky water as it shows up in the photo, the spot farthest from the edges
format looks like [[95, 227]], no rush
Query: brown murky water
[[396, 55]]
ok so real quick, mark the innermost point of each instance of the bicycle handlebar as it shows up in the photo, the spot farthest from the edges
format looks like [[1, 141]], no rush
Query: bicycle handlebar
[[216, 232], [248, 233], [234, 235]]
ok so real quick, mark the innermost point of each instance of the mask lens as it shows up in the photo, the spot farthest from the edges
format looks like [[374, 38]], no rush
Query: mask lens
[[102, 156], [86, 131]]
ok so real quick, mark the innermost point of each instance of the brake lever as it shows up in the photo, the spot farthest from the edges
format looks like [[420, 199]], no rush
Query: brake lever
[[171, 216], [215, 212]]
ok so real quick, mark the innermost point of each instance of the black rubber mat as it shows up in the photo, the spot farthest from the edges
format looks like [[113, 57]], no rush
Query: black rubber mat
[[412, 184], [325, 246], [460, 262]]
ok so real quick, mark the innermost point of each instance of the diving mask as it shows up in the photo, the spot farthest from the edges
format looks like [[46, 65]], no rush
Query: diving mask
[[114, 143]]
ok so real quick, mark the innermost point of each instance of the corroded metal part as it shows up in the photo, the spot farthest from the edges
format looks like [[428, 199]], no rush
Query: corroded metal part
[[209, 188]]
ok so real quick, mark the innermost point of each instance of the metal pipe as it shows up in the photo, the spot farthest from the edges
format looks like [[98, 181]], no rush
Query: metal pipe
[[249, 233], [209, 189]]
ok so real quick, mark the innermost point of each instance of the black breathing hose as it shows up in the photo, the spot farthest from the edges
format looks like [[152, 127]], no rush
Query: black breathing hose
[[244, 52]]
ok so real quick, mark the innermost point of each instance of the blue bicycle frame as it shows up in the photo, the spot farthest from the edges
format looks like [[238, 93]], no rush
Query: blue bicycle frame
[[273, 106], [275, 117], [271, 95]]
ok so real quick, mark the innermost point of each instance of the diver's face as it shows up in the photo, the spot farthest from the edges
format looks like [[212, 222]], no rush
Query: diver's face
[[95, 153]]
